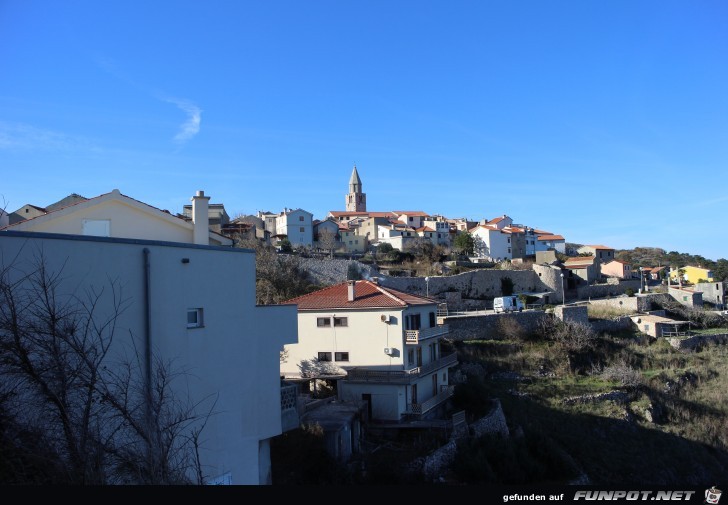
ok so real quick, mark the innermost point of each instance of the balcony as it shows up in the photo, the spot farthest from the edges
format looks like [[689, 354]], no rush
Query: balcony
[[417, 336], [289, 408], [361, 374], [424, 407]]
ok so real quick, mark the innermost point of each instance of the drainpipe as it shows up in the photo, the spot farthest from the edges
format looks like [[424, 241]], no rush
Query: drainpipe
[[148, 353]]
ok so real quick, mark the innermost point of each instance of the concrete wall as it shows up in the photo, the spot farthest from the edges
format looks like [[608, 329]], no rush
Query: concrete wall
[[687, 297], [232, 360], [713, 292]]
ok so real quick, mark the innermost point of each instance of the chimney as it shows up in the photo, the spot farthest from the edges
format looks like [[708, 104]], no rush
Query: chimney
[[351, 295], [200, 219]]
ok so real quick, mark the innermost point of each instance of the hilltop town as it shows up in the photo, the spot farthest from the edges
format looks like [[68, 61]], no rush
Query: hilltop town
[[196, 347]]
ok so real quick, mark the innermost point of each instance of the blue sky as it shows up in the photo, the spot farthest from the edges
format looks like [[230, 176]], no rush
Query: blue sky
[[604, 121]]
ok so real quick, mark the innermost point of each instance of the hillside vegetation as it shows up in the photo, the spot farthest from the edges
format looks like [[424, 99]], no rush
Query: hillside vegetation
[[596, 409]]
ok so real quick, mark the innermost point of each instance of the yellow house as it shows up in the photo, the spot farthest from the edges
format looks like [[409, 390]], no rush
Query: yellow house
[[692, 275]]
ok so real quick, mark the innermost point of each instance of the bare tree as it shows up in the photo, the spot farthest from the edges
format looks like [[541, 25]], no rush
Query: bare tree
[[88, 407], [327, 241]]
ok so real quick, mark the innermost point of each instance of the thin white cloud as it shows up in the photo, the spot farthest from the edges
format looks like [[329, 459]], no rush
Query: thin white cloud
[[24, 136], [191, 126]]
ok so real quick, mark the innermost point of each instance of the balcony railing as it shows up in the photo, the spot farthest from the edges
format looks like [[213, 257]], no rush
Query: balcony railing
[[424, 407], [400, 376], [289, 408], [416, 336]]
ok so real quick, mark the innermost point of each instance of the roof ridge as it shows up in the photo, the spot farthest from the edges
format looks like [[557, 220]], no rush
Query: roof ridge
[[386, 292]]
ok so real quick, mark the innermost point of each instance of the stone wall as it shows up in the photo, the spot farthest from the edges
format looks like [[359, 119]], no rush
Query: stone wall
[[690, 343], [485, 326], [603, 290], [493, 423], [637, 303], [621, 323], [576, 313], [482, 284], [432, 466], [332, 270]]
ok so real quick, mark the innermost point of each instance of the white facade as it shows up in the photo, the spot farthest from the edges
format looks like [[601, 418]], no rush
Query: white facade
[[232, 359], [390, 355], [297, 225], [551, 242], [441, 230], [116, 215], [492, 243]]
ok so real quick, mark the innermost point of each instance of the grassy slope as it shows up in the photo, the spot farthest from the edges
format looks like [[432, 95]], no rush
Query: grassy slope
[[615, 443]]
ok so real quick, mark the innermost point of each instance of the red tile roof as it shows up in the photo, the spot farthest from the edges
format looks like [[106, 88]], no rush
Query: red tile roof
[[600, 247], [550, 237], [368, 295]]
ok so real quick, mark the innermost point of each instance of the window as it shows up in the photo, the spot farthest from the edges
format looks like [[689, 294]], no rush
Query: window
[[300, 218], [194, 318], [433, 322], [412, 322], [324, 356], [302, 229], [341, 356], [411, 357], [341, 321], [96, 227], [323, 322]]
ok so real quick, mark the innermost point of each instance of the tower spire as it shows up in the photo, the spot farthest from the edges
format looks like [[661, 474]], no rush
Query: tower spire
[[356, 200]]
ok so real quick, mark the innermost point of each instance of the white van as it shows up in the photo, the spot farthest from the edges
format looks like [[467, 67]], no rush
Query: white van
[[507, 304]]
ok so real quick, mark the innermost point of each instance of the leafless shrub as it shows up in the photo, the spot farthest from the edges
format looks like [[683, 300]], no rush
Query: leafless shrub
[[510, 328], [622, 373], [96, 419]]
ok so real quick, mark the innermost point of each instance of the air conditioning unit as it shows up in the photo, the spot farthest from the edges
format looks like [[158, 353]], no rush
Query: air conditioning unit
[[388, 350], [385, 318]]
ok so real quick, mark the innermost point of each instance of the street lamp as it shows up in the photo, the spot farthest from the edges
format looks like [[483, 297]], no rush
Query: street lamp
[[427, 286], [563, 296], [642, 278]]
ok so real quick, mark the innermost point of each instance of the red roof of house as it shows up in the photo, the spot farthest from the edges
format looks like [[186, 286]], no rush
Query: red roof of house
[[550, 237], [367, 295], [424, 228], [600, 247]]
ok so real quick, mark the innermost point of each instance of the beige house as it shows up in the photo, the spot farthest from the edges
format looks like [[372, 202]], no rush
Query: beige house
[[603, 253], [617, 268], [119, 216], [580, 270], [384, 343], [660, 326]]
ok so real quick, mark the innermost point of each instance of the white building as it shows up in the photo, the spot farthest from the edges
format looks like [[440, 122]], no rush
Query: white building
[[491, 243], [297, 225], [547, 241], [194, 304], [116, 215], [386, 342]]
